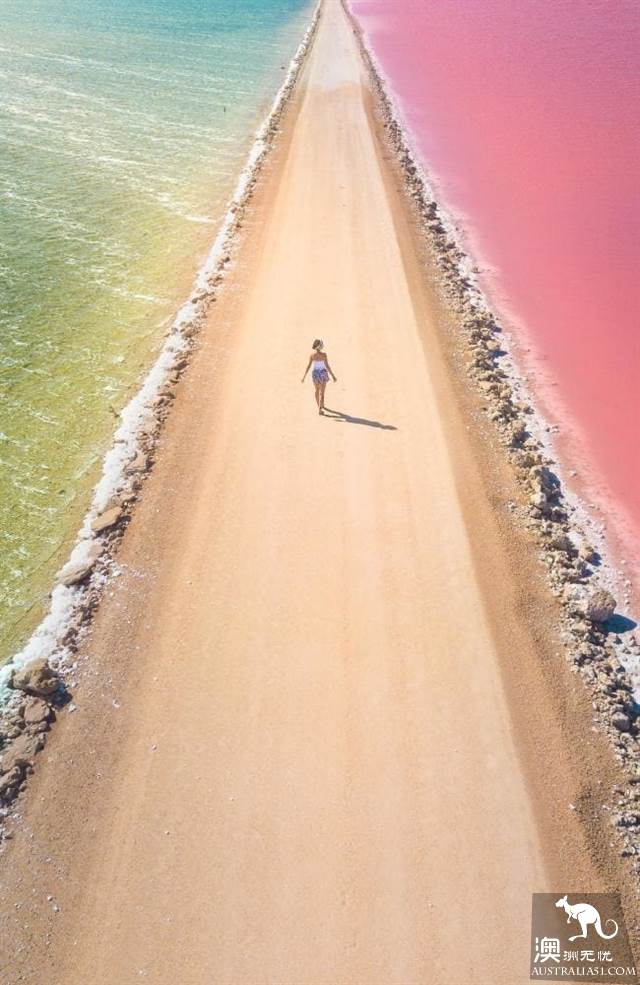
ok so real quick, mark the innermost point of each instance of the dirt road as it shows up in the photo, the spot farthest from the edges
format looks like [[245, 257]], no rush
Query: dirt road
[[297, 756]]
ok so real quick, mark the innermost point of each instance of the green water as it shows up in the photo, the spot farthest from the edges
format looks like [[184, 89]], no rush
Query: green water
[[123, 126]]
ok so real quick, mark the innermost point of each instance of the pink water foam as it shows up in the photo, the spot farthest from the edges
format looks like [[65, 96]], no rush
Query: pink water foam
[[526, 112]]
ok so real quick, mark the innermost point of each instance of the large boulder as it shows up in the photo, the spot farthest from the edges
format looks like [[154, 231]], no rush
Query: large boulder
[[600, 605], [37, 678], [21, 752]]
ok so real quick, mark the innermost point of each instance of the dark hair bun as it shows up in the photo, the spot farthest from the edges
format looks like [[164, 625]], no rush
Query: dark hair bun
[[317, 344]]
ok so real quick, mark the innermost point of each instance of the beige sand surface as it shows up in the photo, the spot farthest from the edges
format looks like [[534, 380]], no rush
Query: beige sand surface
[[313, 742]]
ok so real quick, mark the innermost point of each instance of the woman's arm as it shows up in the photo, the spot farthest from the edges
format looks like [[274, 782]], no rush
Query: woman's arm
[[326, 361], [307, 369]]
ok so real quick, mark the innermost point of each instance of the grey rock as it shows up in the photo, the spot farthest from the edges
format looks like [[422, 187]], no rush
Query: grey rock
[[106, 519], [74, 571], [36, 712], [562, 543], [621, 721], [37, 678], [600, 605], [538, 500], [21, 752], [138, 464], [9, 784]]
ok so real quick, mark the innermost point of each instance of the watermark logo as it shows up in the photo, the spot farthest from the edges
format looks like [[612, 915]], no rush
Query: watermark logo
[[580, 937]]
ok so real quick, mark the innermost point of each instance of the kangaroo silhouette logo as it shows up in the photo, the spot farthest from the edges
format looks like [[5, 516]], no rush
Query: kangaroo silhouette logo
[[587, 916]]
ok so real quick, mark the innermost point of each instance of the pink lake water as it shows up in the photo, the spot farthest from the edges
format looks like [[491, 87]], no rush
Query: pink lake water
[[527, 114]]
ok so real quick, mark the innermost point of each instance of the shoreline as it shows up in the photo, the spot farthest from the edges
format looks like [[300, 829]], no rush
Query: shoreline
[[82, 577], [572, 546], [257, 734]]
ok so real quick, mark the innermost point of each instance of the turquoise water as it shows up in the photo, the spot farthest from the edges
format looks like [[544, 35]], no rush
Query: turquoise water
[[122, 128]]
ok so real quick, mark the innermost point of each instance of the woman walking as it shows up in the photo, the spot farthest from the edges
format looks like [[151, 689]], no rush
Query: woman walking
[[320, 370]]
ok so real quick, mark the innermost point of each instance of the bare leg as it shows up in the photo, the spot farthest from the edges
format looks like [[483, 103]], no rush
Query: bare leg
[[322, 389], [318, 397]]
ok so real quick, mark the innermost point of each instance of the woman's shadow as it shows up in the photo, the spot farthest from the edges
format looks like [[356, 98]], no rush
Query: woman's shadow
[[338, 415]]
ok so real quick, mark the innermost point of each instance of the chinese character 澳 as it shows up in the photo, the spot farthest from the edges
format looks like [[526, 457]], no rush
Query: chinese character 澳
[[547, 949]]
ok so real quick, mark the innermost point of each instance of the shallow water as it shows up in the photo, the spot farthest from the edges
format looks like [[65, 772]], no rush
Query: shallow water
[[527, 113], [122, 130]]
